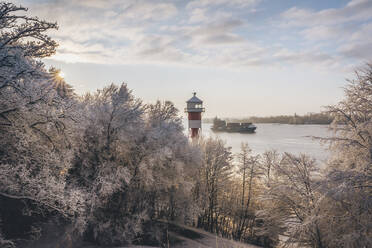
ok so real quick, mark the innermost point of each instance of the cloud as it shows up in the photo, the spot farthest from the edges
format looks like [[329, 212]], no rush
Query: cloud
[[356, 10], [303, 57], [363, 32], [206, 32], [323, 32], [217, 33], [222, 39], [149, 11], [230, 3], [342, 33], [198, 15], [96, 3], [358, 50], [216, 27], [155, 46]]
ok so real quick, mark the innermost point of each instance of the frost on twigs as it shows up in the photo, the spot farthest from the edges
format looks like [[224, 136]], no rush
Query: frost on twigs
[[348, 185], [34, 126]]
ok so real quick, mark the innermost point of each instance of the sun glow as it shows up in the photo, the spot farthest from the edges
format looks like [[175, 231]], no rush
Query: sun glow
[[61, 74]]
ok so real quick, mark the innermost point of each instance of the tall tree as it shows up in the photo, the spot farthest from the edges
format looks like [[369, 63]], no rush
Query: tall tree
[[35, 128], [102, 165], [248, 168], [215, 172], [291, 201], [346, 205]]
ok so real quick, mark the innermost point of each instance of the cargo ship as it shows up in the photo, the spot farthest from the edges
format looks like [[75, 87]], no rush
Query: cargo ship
[[232, 127]]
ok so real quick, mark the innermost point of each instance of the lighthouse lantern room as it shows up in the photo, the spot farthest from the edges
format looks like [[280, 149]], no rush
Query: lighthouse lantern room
[[194, 109]]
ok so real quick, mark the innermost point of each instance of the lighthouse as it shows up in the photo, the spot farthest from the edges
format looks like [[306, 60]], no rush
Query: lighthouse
[[194, 109]]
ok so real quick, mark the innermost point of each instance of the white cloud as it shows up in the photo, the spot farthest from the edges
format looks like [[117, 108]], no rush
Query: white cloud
[[303, 57], [205, 16], [206, 32], [346, 30], [363, 33], [231, 3], [217, 27], [322, 32], [222, 39], [359, 50], [96, 3], [198, 15], [217, 33], [117, 32], [149, 10], [356, 10]]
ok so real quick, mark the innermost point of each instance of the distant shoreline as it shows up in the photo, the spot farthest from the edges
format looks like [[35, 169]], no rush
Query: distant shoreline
[[308, 119], [294, 124]]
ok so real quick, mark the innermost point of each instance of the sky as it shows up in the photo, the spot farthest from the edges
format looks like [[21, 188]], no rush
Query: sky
[[242, 57]]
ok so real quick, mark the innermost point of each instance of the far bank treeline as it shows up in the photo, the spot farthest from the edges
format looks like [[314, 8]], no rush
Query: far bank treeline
[[106, 169], [309, 119]]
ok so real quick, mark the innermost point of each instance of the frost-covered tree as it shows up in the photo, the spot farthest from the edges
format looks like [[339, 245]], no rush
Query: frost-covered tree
[[64, 90], [101, 166], [290, 202], [352, 123], [22, 40], [170, 163], [269, 159], [249, 170], [134, 163], [214, 177], [346, 205], [35, 133], [268, 226]]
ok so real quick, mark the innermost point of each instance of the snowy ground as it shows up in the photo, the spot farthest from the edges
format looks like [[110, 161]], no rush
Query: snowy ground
[[193, 237], [183, 237]]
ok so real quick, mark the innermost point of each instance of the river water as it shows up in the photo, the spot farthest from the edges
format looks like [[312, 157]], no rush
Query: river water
[[294, 139]]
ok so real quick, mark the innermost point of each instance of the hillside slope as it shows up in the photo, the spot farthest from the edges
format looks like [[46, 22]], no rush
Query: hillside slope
[[181, 236]]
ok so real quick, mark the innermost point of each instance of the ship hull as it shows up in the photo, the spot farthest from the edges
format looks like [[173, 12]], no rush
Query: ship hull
[[232, 127], [247, 130]]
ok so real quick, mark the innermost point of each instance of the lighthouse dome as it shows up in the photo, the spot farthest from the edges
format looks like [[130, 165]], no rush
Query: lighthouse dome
[[194, 104], [194, 99]]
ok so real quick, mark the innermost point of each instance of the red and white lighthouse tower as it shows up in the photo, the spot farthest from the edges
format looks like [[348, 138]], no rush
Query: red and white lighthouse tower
[[194, 109]]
